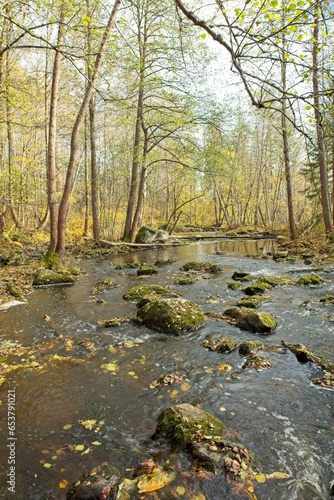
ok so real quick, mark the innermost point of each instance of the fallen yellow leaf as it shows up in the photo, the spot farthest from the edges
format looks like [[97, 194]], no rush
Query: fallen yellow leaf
[[63, 483]]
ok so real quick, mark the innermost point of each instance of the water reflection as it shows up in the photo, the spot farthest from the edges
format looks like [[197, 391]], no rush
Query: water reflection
[[277, 412]]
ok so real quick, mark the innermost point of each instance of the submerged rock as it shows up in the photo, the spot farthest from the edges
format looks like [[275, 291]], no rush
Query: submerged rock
[[49, 277], [140, 291], [185, 281], [234, 285], [241, 276], [252, 302], [183, 424], [224, 457], [221, 344], [146, 270], [257, 288], [100, 483], [172, 315], [250, 346], [147, 234], [205, 267], [257, 362], [252, 321]]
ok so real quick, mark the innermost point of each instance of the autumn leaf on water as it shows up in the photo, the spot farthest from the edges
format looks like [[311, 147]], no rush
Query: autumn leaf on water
[[88, 424], [63, 483], [156, 481], [66, 427], [109, 367], [79, 447]]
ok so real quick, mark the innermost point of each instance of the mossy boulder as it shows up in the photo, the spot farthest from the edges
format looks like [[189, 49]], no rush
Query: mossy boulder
[[220, 344], [252, 321], [257, 288], [172, 316], [241, 276], [127, 265], [147, 234], [185, 281], [249, 346], [140, 291], [205, 267], [146, 270], [272, 280], [252, 302], [101, 482], [48, 277], [184, 424], [310, 279]]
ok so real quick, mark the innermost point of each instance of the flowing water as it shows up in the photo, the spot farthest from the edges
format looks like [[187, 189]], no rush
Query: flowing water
[[276, 412]]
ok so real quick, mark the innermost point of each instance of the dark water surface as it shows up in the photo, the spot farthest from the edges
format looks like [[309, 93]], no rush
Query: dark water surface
[[276, 412]]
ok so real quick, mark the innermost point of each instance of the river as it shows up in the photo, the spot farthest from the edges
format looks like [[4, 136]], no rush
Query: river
[[71, 414]]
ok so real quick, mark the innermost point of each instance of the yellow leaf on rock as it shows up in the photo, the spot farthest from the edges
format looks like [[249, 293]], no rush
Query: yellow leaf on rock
[[185, 386], [261, 478], [278, 475], [63, 483], [174, 394], [153, 482]]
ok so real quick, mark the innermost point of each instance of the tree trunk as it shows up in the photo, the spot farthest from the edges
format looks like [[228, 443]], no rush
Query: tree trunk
[[52, 138], [60, 248], [286, 149], [324, 189]]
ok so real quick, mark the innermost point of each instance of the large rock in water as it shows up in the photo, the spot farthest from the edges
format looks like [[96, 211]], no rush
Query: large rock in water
[[100, 482], [183, 424], [172, 315], [49, 277], [252, 321], [148, 234]]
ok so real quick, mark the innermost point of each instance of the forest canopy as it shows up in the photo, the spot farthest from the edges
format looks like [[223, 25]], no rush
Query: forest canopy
[[171, 114]]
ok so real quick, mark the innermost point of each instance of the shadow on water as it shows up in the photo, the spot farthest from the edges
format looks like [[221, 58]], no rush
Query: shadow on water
[[276, 412]]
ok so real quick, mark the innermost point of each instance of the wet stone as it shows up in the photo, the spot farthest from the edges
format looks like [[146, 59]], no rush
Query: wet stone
[[172, 316], [220, 344], [100, 483]]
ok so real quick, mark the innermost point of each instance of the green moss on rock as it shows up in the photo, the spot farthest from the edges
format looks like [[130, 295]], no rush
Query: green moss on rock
[[234, 285], [146, 270], [249, 346], [205, 267], [183, 424], [257, 288], [275, 280], [241, 276], [140, 291], [252, 302], [185, 281], [49, 277], [252, 321], [172, 315], [310, 279]]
